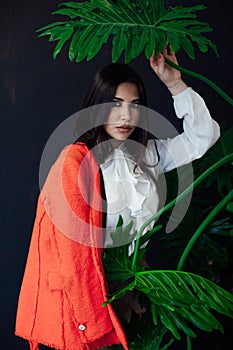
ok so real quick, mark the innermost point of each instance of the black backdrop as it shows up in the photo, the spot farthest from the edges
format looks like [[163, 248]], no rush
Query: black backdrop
[[38, 93]]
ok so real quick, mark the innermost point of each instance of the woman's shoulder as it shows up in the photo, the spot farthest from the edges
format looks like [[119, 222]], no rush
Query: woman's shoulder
[[77, 147], [76, 150]]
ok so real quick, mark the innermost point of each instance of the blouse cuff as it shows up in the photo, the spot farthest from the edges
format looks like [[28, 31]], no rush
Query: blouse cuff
[[186, 102], [182, 93]]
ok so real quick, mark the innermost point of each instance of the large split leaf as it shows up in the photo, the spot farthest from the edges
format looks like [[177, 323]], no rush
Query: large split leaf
[[179, 301], [134, 26]]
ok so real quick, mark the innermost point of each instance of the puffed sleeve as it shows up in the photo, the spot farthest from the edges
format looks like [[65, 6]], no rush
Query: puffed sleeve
[[200, 132]]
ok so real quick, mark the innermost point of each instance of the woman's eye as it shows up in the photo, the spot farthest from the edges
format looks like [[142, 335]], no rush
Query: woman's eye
[[134, 105], [116, 104]]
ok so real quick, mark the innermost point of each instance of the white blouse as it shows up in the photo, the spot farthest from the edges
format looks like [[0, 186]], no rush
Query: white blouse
[[132, 193]]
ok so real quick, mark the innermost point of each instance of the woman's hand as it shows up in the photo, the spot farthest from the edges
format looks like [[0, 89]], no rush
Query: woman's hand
[[170, 76]]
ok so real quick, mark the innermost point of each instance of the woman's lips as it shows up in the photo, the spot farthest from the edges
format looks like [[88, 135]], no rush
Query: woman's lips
[[124, 128]]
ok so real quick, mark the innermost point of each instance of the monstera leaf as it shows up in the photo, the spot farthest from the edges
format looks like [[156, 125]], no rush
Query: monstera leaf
[[178, 300], [134, 26]]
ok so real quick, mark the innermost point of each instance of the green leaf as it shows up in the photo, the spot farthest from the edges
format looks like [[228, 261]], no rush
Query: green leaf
[[230, 207], [66, 12], [51, 25], [184, 295], [158, 8], [138, 42], [187, 46], [135, 26], [92, 45], [63, 38], [85, 37], [178, 300], [154, 313], [119, 43], [169, 322], [142, 7], [74, 45]]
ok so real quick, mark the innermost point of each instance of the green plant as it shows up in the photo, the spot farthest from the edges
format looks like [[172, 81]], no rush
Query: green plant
[[185, 296], [134, 26], [180, 299]]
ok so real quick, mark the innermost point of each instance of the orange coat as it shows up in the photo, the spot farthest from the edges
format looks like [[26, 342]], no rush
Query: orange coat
[[63, 288]]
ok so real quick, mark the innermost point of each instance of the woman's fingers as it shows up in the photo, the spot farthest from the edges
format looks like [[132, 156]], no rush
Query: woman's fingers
[[157, 63], [164, 71], [169, 53]]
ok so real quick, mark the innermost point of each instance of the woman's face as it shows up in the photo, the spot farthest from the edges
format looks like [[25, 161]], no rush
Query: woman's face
[[124, 114]]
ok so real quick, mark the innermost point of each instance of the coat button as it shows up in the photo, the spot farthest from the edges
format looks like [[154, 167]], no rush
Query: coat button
[[81, 327]]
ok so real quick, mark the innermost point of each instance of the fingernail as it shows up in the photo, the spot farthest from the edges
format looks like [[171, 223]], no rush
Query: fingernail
[[159, 56]]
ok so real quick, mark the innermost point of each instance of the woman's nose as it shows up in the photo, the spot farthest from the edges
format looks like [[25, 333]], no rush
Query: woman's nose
[[125, 112]]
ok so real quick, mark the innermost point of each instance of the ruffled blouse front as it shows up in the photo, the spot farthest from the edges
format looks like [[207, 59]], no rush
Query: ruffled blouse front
[[129, 192]]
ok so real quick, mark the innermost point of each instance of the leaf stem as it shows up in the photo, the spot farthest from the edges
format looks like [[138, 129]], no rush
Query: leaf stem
[[189, 343], [201, 228], [196, 182], [203, 78]]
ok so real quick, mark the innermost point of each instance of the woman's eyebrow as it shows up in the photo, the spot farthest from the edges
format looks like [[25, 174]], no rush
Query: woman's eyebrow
[[137, 100]]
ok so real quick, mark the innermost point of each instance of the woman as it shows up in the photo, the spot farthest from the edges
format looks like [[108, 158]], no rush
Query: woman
[[63, 289]]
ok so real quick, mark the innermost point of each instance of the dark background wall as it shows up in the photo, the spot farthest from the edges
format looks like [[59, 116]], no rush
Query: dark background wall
[[38, 93]]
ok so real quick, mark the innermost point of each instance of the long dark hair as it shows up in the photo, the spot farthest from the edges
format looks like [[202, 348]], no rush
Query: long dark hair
[[102, 91]]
